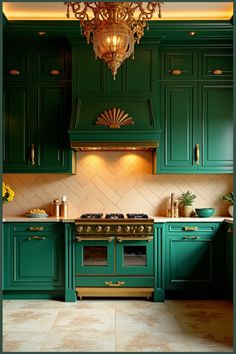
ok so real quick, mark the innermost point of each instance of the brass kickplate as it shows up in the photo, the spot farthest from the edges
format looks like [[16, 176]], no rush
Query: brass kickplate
[[114, 292]]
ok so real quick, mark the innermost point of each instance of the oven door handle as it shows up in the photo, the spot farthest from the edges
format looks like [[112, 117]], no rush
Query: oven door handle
[[94, 238], [133, 238]]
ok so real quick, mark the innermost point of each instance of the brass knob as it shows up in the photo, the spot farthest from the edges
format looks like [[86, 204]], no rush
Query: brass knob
[[118, 228], [148, 228], [79, 228], [99, 228], [127, 228], [217, 72], [54, 72], [14, 72], [176, 72], [88, 228], [141, 228], [107, 228]]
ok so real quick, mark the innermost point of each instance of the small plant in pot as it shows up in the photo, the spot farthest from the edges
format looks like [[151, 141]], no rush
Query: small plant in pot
[[186, 200], [229, 197]]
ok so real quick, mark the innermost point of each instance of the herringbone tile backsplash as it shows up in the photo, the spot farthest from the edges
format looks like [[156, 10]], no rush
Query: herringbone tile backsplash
[[114, 182]]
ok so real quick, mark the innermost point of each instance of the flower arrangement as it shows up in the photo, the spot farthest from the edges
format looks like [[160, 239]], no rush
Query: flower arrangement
[[7, 193]]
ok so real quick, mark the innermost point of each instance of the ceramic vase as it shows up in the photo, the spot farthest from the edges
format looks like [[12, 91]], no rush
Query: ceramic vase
[[231, 210], [187, 210]]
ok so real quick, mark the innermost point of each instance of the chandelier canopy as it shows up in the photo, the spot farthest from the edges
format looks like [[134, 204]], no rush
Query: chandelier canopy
[[113, 27]]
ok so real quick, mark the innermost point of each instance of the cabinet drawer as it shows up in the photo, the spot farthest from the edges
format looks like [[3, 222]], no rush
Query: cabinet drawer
[[191, 228], [216, 64], [36, 227], [178, 64], [128, 281], [53, 64], [16, 64]]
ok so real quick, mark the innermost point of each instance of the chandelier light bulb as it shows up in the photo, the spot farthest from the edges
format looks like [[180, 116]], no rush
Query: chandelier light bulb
[[114, 27]]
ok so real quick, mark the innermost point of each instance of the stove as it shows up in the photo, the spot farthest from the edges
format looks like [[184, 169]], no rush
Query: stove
[[114, 223], [114, 255]]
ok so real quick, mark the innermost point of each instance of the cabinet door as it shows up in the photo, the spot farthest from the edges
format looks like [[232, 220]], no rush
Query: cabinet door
[[52, 118], [33, 261], [216, 124], [216, 64], [16, 101], [17, 64], [178, 119], [178, 64], [192, 262]]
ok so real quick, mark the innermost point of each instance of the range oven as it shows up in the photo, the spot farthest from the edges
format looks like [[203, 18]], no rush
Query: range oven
[[114, 255]]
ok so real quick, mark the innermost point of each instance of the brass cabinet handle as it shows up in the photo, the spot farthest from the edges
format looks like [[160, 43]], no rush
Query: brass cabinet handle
[[191, 237], [133, 238], [117, 284], [31, 228], [176, 72], [14, 72], [217, 72], [197, 154], [54, 72], [36, 238], [190, 228], [32, 154], [94, 238]]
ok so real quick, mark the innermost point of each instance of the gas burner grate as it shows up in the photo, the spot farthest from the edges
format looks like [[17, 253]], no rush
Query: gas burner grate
[[114, 216], [91, 216], [137, 216]]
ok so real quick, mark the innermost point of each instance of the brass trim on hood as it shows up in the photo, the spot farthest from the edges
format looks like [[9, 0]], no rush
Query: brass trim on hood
[[114, 145]]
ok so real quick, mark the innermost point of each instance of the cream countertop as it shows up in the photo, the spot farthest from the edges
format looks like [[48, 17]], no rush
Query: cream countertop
[[160, 219]]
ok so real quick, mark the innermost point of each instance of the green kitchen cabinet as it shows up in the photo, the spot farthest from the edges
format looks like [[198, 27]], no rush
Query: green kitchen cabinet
[[36, 110], [215, 132], [192, 254], [179, 106], [216, 64], [178, 64], [33, 256], [34, 128], [229, 258]]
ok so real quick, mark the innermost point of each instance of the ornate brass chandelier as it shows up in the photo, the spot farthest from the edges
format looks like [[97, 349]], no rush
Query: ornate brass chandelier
[[114, 27]]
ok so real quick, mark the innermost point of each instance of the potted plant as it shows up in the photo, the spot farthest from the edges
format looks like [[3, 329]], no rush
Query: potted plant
[[229, 197], [186, 200]]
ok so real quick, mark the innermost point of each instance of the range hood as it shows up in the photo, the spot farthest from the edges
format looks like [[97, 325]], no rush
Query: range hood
[[117, 123]]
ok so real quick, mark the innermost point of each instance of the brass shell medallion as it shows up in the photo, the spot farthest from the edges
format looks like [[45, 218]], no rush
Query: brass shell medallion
[[114, 118]]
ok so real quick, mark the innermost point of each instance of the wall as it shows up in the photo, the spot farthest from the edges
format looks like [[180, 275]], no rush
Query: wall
[[114, 182]]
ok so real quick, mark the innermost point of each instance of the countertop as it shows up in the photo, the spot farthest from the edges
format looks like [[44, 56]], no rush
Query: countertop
[[158, 219]]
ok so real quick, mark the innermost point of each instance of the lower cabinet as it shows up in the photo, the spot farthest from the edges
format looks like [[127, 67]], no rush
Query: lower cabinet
[[229, 261], [33, 256], [195, 257]]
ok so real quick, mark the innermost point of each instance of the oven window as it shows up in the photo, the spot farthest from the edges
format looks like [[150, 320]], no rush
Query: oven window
[[135, 256], [95, 256]]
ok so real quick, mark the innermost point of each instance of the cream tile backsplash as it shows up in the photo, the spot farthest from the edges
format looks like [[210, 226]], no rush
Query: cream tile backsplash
[[114, 182]]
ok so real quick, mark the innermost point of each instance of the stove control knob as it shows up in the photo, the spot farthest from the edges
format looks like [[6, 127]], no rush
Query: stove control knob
[[127, 228], [99, 228], [148, 228], [107, 228], [141, 228], [79, 228], [88, 228], [118, 228]]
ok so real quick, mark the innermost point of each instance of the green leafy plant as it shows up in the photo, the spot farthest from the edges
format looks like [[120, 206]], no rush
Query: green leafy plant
[[229, 197], [187, 198]]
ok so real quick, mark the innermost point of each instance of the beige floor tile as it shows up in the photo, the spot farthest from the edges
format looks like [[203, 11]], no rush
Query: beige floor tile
[[203, 320], [28, 320], [23, 341], [179, 305], [90, 320], [143, 304], [211, 342], [79, 342], [151, 341], [142, 320]]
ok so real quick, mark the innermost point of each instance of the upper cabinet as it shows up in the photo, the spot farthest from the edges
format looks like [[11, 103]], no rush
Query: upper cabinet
[[36, 105], [196, 111]]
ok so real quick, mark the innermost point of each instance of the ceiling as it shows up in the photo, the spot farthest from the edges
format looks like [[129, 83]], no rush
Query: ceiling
[[170, 10]]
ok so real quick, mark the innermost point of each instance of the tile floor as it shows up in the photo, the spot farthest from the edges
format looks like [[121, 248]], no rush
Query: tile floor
[[117, 326]]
